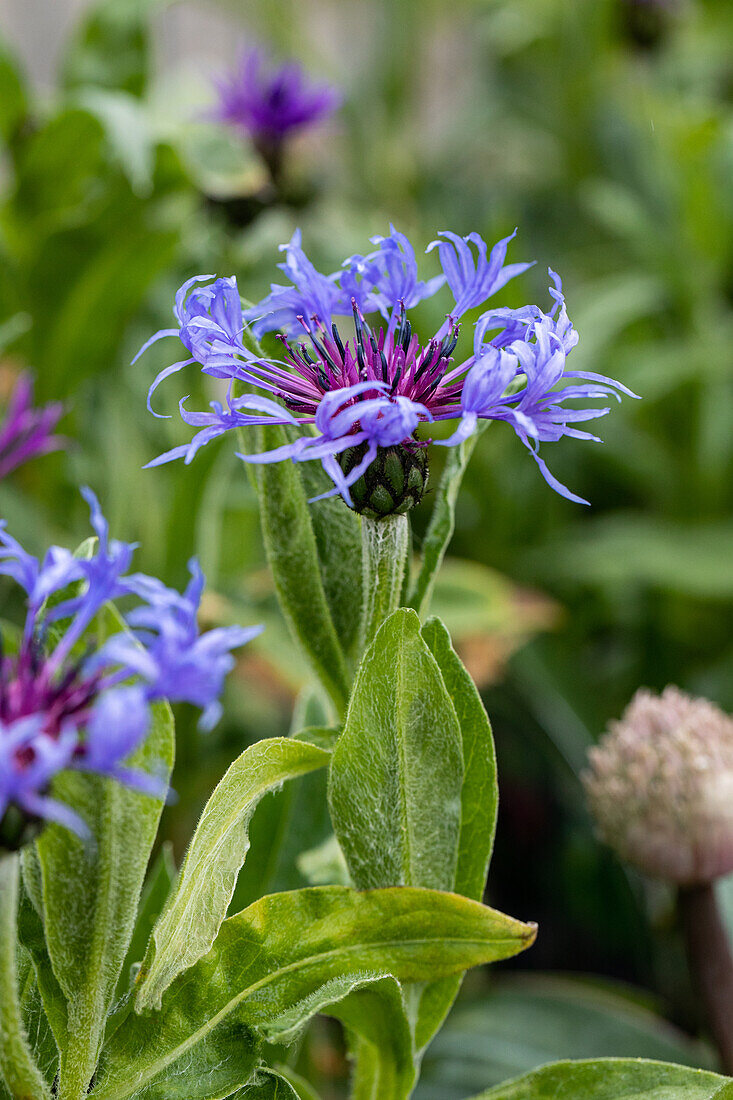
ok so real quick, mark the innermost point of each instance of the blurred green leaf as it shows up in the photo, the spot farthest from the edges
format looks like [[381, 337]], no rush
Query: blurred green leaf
[[57, 171], [13, 101], [623, 550], [522, 1023], [127, 130], [111, 46], [614, 1079]]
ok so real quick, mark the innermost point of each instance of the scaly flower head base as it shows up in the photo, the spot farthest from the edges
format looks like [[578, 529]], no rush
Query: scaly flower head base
[[369, 393], [392, 484]]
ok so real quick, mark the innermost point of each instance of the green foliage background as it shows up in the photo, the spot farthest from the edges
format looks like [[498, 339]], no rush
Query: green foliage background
[[604, 130]]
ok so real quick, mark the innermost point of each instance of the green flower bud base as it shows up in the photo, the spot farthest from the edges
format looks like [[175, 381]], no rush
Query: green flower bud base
[[394, 483]]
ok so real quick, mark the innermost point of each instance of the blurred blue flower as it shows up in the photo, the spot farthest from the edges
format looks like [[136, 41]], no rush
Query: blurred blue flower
[[271, 103], [27, 431], [65, 706], [374, 390]]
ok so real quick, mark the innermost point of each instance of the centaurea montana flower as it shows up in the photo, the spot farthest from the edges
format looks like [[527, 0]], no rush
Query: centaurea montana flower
[[271, 103], [65, 705], [366, 396], [27, 431]]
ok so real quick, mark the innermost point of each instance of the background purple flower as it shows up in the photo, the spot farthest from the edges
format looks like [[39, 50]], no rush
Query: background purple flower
[[27, 431], [64, 705], [270, 103]]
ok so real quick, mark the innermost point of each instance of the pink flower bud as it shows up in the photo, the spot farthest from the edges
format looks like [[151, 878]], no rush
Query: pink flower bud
[[660, 787]]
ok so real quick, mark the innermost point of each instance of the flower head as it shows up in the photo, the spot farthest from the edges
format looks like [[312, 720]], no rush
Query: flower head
[[270, 103], [27, 431], [66, 704], [660, 787], [373, 388]]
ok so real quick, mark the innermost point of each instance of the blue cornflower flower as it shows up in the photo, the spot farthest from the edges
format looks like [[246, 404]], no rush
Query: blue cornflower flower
[[270, 104], [27, 431], [367, 395], [63, 708]]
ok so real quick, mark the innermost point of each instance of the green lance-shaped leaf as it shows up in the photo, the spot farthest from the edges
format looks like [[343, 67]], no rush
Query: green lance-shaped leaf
[[613, 1079], [442, 522], [90, 895], [18, 1068], [338, 541], [279, 954], [32, 936], [190, 921], [397, 770], [480, 791], [375, 1019], [37, 1028], [292, 552], [479, 805], [159, 886]]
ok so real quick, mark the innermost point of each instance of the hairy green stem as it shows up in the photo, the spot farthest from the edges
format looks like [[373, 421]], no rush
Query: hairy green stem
[[385, 543], [22, 1076], [711, 965], [442, 523]]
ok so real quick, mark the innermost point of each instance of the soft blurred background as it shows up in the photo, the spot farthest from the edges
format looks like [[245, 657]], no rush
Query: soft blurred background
[[604, 130]]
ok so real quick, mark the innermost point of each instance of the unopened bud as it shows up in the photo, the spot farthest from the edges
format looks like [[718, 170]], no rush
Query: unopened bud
[[392, 484], [660, 787]]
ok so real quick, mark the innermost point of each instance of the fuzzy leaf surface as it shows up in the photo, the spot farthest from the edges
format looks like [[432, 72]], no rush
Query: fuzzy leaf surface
[[278, 954], [613, 1079], [292, 552], [479, 807], [397, 770], [266, 1084], [189, 923], [338, 542], [91, 890], [380, 1038]]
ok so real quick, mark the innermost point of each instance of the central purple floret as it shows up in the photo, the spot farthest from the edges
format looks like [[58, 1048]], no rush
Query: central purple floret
[[373, 390], [393, 360], [66, 702]]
